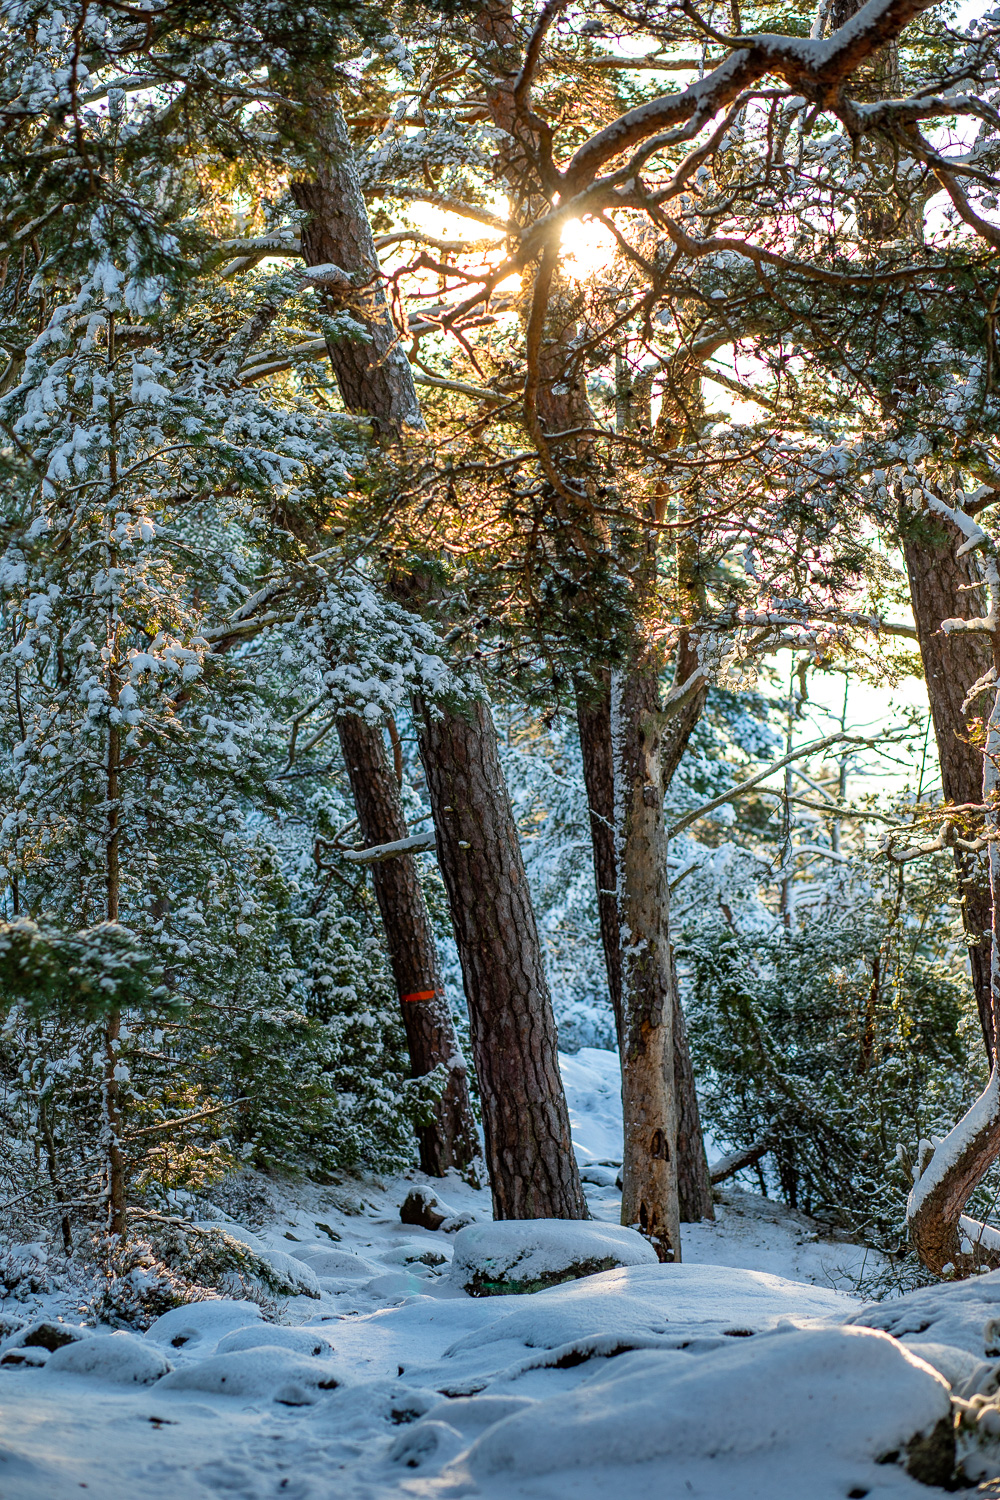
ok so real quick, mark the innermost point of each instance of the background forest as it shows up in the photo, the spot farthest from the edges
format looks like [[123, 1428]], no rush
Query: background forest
[[551, 441]]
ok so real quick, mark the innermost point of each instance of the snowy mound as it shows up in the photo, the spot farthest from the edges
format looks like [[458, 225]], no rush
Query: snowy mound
[[635, 1307], [679, 1301], [274, 1336], [528, 1255], [279, 1373], [119, 1357], [198, 1324], [963, 1314], [838, 1400]]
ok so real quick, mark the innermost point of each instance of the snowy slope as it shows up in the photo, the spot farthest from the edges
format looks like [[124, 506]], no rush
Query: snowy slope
[[730, 1374]]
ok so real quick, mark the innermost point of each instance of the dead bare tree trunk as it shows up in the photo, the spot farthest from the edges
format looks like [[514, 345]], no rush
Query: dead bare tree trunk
[[533, 1171], [593, 709], [953, 661], [649, 1170], [450, 1139]]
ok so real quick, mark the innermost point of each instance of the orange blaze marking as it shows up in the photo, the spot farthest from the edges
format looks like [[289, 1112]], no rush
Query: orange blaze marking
[[419, 995]]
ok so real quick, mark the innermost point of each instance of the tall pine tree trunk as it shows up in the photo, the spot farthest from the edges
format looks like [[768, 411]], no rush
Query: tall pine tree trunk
[[450, 1139], [533, 1171], [940, 1235], [939, 590]]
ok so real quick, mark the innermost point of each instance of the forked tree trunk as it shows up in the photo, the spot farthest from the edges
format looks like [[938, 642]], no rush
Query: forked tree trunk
[[533, 1171], [650, 1195], [941, 1236], [593, 709], [450, 1138], [953, 661]]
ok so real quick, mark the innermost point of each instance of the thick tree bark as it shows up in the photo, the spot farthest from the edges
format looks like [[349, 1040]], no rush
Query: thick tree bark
[[450, 1139], [593, 709], [939, 590], [533, 1171], [649, 1196], [374, 377], [941, 1236], [532, 1168]]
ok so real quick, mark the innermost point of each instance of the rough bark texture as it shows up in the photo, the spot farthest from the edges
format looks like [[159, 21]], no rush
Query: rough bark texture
[[593, 709], [374, 377], [952, 663], [450, 1139], [649, 1171], [533, 1171], [530, 1159], [934, 1211], [593, 717]]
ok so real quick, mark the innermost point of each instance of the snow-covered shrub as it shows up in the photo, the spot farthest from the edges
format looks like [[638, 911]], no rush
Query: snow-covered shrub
[[133, 1286]]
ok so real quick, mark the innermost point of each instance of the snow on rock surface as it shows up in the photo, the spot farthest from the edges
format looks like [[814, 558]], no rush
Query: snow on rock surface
[[964, 1314], [274, 1336], [680, 1302], [528, 1255], [838, 1399], [201, 1323], [330, 1263], [255, 1372], [120, 1357]]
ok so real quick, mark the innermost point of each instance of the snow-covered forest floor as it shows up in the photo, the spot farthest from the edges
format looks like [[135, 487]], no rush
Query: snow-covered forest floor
[[731, 1374]]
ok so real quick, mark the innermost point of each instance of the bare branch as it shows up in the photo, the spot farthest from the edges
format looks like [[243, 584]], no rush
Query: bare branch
[[744, 786]]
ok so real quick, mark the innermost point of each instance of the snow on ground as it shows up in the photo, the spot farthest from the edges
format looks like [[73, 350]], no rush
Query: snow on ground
[[732, 1373]]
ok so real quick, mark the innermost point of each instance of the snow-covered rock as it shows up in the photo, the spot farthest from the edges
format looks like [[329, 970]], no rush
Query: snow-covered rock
[[203, 1323], [277, 1373], [957, 1366], [675, 1305], [334, 1264], [45, 1333], [964, 1314], [516, 1256], [840, 1400], [118, 1357], [306, 1341]]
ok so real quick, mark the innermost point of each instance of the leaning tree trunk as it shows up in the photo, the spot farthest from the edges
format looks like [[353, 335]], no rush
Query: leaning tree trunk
[[941, 1236], [449, 1139], [649, 1197], [533, 1171], [939, 590], [593, 708]]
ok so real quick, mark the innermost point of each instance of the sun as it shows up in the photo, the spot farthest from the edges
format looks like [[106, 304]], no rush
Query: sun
[[587, 249]]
